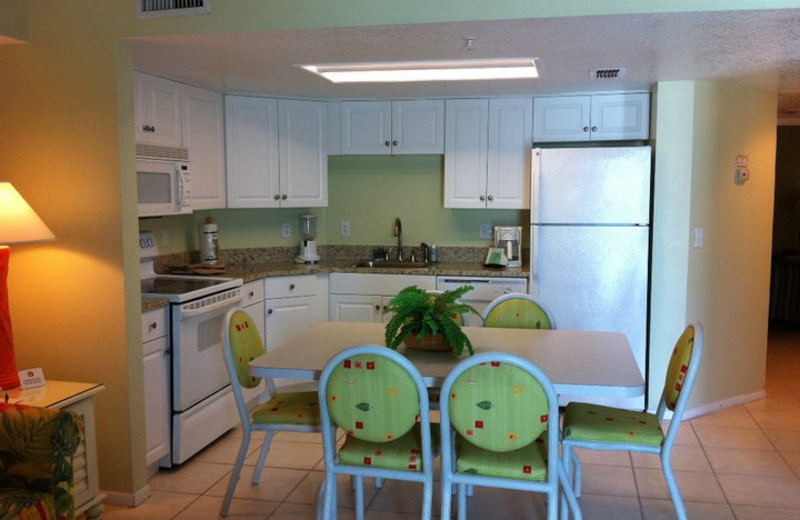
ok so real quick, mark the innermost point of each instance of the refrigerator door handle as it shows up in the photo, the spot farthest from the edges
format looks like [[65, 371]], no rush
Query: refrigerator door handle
[[533, 285]]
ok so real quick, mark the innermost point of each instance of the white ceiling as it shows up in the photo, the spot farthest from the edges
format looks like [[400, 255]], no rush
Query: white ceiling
[[759, 49]]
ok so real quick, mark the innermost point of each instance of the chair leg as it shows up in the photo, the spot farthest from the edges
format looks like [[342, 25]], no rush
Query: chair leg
[[378, 483], [237, 470], [568, 499], [262, 457], [672, 484], [329, 496], [427, 498], [462, 502], [447, 495], [358, 482]]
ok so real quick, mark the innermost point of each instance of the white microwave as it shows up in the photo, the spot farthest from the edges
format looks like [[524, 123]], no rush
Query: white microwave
[[164, 187]]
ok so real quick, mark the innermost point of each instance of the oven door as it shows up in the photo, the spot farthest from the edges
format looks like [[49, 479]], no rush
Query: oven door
[[198, 364]]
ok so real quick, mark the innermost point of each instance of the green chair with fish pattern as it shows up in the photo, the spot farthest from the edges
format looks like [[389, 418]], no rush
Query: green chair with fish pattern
[[276, 411], [595, 427], [517, 311]]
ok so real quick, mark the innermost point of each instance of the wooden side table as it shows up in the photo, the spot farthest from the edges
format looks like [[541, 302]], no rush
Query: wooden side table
[[78, 398]]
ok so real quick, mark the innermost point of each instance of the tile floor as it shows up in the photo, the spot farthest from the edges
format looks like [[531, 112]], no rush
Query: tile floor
[[740, 463]]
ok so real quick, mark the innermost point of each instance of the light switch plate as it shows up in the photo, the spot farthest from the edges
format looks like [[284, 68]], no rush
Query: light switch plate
[[345, 228], [486, 230], [286, 230]]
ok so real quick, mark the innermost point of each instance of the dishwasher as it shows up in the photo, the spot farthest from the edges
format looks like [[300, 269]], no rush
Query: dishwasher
[[485, 290]]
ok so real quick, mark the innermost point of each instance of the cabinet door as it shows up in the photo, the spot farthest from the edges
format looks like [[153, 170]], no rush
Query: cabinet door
[[158, 110], [287, 317], [366, 127], [465, 155], [303, 153], [418, 127], [155, 361], [203, 131], [565, 118], [620, 116], [356, 307], [251, 136], [509, 154]]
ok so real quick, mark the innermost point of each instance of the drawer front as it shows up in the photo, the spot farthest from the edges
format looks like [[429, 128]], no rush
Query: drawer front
[[154, 324], [252, 292], [290, 286]]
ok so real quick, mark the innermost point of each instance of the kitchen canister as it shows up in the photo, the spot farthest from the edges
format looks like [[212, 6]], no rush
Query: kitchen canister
[[433, 254], [209, 242]]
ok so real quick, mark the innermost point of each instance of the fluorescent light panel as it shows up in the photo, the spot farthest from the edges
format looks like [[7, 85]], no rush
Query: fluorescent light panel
[[457, 70]]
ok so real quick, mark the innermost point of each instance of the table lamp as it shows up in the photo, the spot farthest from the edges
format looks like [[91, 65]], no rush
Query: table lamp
[[19, 224]]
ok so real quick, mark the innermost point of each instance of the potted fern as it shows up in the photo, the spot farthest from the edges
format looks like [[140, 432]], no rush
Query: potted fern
[[429, 321]]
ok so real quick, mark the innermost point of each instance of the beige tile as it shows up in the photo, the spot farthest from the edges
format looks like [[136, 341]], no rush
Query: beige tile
[[315, 437], [784, 440], [688, 458], [294, 455], [604, 457], [694, 486], [306, 491], [606, 507], [654, 509], [686, 435], [160, 506], [773, 420], [765, 513], [793, 460], [288, 511], [225, 449], [608, 480], [397, 496], [276, 484], [738, 438], [748, 462], [503, 504], [781, 493], [735, 417], [193, 477], [207, 508]]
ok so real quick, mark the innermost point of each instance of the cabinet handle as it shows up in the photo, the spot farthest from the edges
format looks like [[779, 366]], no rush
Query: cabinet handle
[[482, 198], [277, 197], [490, 198], [149, 128], [167, 352], [153, 326], [269, 311], [387, 143], [284, 197], [585, 128], [251, 294], [291, 287], [594, 129], [377, 307], [394, 143]]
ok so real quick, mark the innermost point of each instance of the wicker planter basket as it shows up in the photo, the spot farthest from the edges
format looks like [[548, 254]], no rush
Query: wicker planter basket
[[435, 342]]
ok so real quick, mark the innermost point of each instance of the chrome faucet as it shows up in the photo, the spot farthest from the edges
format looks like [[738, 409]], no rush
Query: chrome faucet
[[398, 232]]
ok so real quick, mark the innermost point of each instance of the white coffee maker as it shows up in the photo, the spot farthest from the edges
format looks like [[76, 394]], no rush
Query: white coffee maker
[[308, 234], [509, 239]]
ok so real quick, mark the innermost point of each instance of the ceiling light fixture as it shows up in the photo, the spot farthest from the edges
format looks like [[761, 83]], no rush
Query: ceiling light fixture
[[406, 71]]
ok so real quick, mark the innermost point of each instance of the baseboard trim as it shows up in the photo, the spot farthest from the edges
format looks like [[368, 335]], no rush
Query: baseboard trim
[[128, 499], [725, 403]]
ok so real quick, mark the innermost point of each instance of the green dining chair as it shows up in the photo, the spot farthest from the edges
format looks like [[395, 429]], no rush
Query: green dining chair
[[378, 398], [595, 427], [282, 411], [499, 428], [517, 311]]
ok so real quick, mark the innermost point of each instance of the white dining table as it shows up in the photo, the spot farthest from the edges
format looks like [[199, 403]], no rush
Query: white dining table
[[579, 363]]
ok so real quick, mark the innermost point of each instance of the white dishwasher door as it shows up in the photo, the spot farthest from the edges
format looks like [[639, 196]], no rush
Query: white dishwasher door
[[484, 291]]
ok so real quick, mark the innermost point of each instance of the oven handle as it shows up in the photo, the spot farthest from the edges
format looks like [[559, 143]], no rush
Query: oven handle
[[224, 304]]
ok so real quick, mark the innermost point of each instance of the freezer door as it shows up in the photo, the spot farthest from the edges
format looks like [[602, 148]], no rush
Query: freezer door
[[594, 278], [591, 185]]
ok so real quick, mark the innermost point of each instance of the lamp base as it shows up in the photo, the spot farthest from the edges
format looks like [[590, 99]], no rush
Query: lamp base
[[9, 378]]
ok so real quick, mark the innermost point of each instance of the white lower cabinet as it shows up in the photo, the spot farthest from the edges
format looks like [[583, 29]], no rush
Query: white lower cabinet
[[364, 297], [293, 303], [155, 361], [253, 304]]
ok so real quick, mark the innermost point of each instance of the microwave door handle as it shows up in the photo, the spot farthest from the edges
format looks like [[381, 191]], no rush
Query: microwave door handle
[[181, 188]]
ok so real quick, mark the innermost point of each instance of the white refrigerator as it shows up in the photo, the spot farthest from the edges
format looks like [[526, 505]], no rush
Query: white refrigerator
[[590, 242]]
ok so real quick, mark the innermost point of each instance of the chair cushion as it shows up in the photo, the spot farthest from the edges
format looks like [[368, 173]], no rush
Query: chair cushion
[[246, 345], [498, 406], [517, 313], [404, 453], [372, 398], [300, 408], [591, 422], [678, 367], [527, 463]]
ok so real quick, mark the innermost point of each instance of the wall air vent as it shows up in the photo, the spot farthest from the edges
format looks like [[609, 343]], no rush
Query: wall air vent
[[607, 73], [160, 8]]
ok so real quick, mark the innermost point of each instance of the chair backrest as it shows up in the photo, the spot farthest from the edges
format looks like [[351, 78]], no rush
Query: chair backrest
[[517, 311], [373, 393], [242, 343], [499, 402], [681, 373]]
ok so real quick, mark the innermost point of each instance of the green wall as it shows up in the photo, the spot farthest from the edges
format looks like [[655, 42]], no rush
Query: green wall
[[367, 191]]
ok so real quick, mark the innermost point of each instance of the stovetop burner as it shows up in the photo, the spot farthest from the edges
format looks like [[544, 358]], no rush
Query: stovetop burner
[[177, 285]]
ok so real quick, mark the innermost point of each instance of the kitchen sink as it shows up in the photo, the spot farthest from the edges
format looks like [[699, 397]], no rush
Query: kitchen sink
[[392, 264]]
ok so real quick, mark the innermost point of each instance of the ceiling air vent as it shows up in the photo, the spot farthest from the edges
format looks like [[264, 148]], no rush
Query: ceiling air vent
[[159, 8], [607, 73]]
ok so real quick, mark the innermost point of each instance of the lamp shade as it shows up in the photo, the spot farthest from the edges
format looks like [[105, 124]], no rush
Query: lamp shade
[[19, 224]]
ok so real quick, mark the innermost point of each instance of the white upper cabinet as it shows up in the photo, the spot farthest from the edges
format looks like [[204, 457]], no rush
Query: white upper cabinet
[[158, 110], [392, 127], [487, 153], [203, 136], [276, 153], [600, 117]]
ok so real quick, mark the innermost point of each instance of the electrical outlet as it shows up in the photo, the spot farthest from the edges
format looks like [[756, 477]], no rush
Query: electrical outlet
[[486, 230], [165, 237], [345, 228], [286, 230]]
